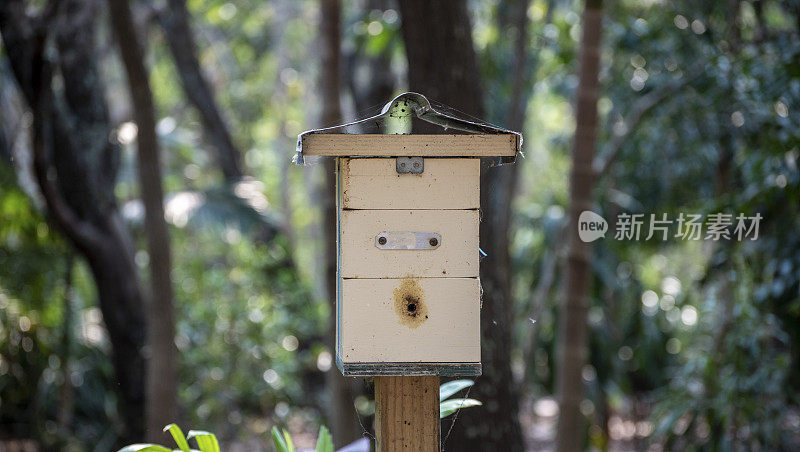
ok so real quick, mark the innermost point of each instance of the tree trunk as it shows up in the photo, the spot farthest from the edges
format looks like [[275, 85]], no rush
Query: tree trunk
[[177, 29], [442, 65], [369, 77], [342, 416], [122, 305], [161, 396], [572, 331], [441, 59], [523, 68], [75, 167], [66, 394]]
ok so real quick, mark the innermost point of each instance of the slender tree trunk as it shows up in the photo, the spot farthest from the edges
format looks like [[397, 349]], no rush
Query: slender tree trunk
[[442, 65], [5, 148], [66, 396], [341, 415], [572, 331], [122, 305], [161, 396], [523, 69], [726, 303], [75, 167], [177, 29]]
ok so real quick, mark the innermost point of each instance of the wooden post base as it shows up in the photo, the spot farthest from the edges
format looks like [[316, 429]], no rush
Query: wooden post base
[[407, 414]]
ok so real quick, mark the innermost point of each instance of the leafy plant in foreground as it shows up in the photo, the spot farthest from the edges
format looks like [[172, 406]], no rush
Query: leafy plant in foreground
[[449, 406], [283, 441], [206, 442]]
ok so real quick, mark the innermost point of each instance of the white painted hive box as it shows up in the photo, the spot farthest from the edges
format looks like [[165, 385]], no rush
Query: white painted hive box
[[408, 211]]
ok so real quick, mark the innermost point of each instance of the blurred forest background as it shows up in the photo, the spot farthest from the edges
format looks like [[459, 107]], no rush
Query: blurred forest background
[[146, 186]]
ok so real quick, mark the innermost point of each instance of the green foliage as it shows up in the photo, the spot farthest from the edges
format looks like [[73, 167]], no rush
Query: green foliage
[[282, 440], [451, 387], [448, 406], [206, 442], [177, 435], [145, 448], [246, 330], [722, 143], [324, 440], [708, 361]]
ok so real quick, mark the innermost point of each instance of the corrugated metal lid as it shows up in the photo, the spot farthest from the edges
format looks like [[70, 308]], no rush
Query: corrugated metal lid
[[424, 110]]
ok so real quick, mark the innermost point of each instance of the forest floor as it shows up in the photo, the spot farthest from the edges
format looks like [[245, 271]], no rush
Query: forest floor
[[538, 419], [537, 416]]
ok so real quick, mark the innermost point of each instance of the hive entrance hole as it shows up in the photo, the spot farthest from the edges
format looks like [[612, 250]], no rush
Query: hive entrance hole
[[411, 305]]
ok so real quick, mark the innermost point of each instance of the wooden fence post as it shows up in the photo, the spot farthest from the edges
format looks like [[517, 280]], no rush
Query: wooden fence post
[[407, 414]]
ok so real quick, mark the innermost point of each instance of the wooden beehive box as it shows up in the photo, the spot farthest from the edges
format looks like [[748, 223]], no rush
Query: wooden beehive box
[[408, 212], [408, 295]]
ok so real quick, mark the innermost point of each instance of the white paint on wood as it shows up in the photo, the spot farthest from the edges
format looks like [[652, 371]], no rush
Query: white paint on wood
[[371, 330], [373, 183], [344, 145], [456, 257]]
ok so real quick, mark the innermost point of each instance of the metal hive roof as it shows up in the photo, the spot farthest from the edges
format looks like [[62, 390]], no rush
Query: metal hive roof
[[424, 110]]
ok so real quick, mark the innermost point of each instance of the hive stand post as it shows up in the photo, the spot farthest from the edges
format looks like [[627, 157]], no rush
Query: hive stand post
[[407, 413], [406, 407]]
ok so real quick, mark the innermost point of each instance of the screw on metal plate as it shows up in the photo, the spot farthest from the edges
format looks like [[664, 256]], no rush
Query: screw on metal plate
[[410, 165], [408, 240]]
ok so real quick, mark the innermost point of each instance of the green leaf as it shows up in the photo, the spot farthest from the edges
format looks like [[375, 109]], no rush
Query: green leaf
[[144, 448], [289, 442], [206, 441], [324, 440], [452, 387], [449, 407], [177, 435], [280, 442]]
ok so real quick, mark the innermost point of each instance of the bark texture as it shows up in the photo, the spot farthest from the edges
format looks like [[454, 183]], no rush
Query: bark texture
[[342, 416], [442, 65], [572, 331], [176, 21], [523, 66], [162, 376], [75, 166]]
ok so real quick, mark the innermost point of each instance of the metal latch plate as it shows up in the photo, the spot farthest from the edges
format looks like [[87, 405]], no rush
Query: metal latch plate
[[410, 165], [408, 240]]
